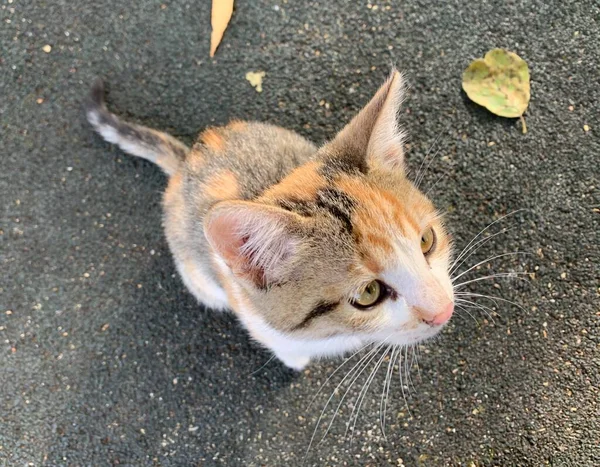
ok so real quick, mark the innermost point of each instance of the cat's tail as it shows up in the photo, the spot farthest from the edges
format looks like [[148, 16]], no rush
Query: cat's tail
[[157, 147]]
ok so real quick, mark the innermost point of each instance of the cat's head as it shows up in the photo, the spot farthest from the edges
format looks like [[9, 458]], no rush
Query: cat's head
[[344, 245]]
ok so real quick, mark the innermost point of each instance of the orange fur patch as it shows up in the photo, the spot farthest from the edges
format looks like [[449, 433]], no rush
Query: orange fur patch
[[371, 217], [443, 242], [371, 264], [377, 210], [175, 214], [378, 241], [213, 139], [173, 191], [302, 184], [237, 125], [222, 186], [195, 158]]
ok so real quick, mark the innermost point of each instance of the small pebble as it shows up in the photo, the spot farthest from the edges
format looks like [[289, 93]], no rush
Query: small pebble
[[47, 48]]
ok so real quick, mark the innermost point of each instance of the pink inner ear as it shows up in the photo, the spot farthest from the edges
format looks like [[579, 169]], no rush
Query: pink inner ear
[[226, 236], [223, 233], [393, 155], [254, 241]]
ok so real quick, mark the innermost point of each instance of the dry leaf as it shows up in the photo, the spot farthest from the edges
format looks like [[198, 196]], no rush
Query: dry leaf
[[220, 16], [500, 83], [255, 78]]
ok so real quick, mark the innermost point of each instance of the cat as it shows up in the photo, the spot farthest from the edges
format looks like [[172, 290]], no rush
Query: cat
[[317, 251]]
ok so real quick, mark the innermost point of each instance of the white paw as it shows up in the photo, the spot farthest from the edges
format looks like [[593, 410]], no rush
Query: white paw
[[295, 362]]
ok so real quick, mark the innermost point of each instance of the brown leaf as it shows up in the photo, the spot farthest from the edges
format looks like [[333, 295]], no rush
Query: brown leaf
[[221, 14]]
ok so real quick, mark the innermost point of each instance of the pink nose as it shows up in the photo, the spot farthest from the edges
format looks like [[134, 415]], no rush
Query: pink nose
[[444, 316]]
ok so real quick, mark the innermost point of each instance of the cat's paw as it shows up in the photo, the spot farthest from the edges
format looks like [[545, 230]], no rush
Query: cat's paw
[[295, 362]]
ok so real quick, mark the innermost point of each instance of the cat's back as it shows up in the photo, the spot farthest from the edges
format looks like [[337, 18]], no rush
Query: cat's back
[[237, 161], [243, 159]]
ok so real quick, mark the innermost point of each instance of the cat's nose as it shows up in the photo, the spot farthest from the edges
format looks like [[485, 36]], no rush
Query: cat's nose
[[443, 316]]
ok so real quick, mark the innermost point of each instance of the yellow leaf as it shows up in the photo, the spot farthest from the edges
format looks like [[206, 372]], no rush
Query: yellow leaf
[[500, 83], [220, 16], [255, 78]]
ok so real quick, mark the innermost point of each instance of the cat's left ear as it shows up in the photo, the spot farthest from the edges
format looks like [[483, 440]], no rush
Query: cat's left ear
[[373, 136], [259, 243]]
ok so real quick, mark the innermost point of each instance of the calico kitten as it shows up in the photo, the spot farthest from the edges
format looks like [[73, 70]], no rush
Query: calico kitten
[[318, 251]]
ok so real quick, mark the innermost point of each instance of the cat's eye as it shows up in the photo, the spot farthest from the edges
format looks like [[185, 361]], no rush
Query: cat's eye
[[428, 241], [371, 295]]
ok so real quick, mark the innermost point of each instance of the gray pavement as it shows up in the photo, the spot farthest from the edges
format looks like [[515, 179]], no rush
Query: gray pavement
[[107, 360]]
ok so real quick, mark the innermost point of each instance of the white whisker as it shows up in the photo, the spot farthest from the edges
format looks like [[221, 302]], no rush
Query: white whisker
[[407, 370], [446, 172], [420, 174], [402, 382], [412, 357], [264, 365], [469, 313], [416, 352], [386, 390], [486, 310], [487, 261], [358, 373], [429, 165], [334, 372], [514, 275], [481, 232], [373, 352], [470, 251], [490, 297], [363, 392]]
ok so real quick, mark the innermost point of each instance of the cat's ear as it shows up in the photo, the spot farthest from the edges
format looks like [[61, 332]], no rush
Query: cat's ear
[[373, 136], [259, 243]]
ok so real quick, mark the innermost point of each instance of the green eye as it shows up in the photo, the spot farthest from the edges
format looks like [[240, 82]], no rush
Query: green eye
[[428, 241], [369, 296]]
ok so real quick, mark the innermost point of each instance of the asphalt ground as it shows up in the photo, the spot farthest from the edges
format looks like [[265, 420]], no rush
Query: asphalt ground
[[107, 360]]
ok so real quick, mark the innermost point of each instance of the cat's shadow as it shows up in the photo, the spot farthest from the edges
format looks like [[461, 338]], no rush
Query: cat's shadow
[[226, 380], [215, 341]]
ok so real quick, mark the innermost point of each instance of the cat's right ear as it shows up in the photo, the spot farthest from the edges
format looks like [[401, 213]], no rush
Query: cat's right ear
[[373, 136], [259, 243]]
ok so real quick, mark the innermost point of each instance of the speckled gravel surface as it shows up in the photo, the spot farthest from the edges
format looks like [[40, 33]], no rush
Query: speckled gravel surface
[[107, 360]]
